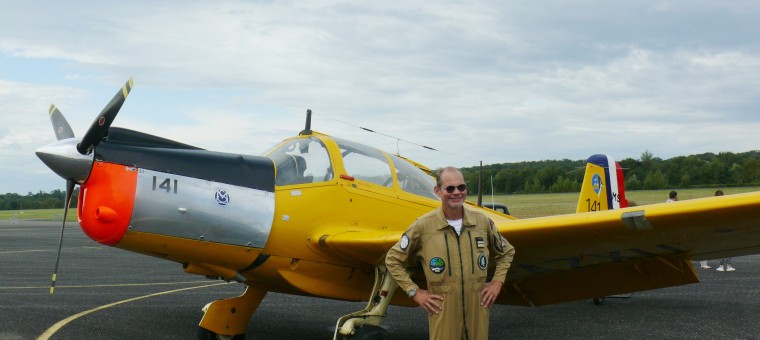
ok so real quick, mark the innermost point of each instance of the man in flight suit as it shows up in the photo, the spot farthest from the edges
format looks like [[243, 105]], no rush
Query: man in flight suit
[[454, 246]]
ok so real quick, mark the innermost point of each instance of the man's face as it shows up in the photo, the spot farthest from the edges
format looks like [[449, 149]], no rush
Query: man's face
[[456, 198]]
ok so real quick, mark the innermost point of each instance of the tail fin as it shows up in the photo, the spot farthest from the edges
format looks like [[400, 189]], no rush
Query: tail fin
[[603, 186]]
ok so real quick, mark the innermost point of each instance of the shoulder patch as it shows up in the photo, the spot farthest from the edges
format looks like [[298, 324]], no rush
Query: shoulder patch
[[499, 244], [404, 242]]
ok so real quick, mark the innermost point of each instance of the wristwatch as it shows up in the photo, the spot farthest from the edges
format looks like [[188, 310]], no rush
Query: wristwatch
[[411, 292]]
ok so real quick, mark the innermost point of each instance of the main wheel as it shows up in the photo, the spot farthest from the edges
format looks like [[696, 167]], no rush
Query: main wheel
[[205, 334], [371, 332]]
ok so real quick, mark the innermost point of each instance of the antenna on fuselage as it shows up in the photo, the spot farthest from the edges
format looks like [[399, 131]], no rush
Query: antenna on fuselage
[[307, 129]]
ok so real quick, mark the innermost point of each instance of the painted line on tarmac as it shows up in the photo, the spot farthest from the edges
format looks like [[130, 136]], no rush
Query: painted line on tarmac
[[60, 324], [46, 250], [108, 285], [22, 251]]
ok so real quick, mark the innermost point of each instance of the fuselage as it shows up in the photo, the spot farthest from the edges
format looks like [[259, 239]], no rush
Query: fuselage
[[261, 220]]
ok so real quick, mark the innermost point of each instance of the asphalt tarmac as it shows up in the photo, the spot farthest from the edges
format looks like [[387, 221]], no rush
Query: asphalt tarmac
[[95, 284]]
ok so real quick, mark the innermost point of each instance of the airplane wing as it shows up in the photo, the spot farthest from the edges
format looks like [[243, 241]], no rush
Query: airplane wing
[[582, 256], [365, 246], [571, 257]]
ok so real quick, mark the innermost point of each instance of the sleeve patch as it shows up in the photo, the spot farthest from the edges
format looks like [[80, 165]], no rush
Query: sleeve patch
[[499, 244], [404, 242]]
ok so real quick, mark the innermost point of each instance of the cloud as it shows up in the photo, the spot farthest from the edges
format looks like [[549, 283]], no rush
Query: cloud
[[501, 82]]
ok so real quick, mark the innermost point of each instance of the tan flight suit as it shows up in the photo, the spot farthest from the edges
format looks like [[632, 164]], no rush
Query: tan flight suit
[[455, 267]]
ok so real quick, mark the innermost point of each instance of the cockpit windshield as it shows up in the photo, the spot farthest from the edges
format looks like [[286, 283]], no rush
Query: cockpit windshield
[[303, 160], [413, 180], [306, 160], [369, 164], [365, 163]]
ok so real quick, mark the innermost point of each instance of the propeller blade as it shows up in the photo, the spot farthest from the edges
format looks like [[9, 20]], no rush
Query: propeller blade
[[69, 192], [99, 127], [60, 125]]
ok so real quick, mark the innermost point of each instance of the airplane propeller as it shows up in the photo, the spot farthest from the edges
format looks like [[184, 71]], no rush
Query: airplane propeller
[[61, 127], [72, 159], [69, 191], [99, 127]]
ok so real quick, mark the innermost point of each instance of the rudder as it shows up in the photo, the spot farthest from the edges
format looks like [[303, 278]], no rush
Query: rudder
[[602, 189]]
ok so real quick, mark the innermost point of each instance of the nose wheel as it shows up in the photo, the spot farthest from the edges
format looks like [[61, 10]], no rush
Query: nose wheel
[[370, 332], [205, 334]]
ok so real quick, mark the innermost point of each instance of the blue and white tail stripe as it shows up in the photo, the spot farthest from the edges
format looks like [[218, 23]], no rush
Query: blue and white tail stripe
[[608, 163], [602, 187]]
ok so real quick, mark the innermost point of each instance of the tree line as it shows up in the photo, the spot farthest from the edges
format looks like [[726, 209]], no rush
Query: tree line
[[40, 200], [725, 169]]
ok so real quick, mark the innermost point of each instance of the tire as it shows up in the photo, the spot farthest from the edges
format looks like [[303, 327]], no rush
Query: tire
[[370, 332], [205, 334], [599, 301]]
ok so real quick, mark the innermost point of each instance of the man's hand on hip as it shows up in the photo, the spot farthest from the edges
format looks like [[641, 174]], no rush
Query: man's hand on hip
[[430, 302], [489, 293]]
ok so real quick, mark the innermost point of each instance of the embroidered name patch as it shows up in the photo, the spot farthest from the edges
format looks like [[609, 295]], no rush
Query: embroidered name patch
[[480, 242], [437, 265]]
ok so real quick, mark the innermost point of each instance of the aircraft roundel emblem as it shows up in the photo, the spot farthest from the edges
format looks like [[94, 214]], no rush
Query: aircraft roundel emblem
[[404, 242], [101, 121], [222, 197], [596, 183]]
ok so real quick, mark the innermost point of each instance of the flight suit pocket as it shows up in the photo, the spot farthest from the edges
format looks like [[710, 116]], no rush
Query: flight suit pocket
[[440, 288], [478, 285], [436, 258]]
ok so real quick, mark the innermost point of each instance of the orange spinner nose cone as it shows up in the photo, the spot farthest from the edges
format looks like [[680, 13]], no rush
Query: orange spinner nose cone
[[106, 201]]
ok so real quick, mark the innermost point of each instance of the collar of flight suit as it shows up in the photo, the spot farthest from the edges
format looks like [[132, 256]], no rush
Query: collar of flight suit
[[467, 219]]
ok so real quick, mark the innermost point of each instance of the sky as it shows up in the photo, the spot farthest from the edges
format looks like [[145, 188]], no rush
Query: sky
[[491, 81]]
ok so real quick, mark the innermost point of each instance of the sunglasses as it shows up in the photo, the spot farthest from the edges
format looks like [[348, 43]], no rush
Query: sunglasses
[[450, 188]]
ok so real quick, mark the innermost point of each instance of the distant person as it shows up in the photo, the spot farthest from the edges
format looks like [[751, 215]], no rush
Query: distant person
[[672, 197], [725, 264]]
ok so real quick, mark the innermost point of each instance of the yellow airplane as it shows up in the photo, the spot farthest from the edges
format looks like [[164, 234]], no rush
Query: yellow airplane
[[316, 215]]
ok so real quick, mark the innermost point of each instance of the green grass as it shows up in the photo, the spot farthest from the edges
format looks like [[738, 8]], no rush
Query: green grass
[[38, 214], [536, 205]]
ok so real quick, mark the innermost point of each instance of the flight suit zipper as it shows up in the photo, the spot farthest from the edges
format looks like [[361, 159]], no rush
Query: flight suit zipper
[[472, 254], [461, 279], [448, 254]]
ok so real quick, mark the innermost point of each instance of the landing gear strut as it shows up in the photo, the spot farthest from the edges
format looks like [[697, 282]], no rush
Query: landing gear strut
[[365, 324]]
